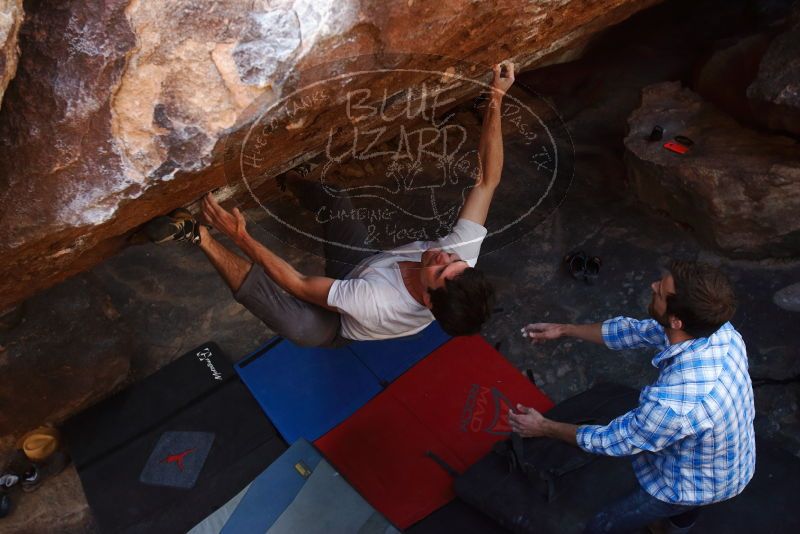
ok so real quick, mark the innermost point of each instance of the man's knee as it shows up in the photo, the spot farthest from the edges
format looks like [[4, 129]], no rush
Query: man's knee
[[319, 328]]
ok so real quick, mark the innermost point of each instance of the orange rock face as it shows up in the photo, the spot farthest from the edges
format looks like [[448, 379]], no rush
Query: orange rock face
[[121, 110], [11, 16]]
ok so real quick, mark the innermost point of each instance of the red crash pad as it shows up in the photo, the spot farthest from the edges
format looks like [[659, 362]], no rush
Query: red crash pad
[[453, 404]]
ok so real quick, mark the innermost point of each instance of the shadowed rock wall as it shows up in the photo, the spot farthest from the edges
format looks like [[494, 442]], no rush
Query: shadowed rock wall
[[775, 93]]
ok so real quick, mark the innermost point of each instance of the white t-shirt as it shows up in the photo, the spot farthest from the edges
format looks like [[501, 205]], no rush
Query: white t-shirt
[[374, 301]]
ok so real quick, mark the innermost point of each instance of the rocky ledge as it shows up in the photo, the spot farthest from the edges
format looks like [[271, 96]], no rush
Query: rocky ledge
[[738, 189]]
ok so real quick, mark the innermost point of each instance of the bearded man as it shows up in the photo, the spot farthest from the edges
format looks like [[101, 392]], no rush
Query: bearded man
[[691, 437]]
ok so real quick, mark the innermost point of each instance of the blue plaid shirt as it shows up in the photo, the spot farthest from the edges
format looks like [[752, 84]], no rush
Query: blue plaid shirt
[[692, 433]]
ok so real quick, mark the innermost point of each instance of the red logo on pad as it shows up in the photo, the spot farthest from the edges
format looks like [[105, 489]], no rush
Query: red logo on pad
[[177, 458], [486, 410]]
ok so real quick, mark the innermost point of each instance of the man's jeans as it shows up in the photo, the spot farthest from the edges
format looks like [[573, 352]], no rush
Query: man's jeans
[[638, 510]]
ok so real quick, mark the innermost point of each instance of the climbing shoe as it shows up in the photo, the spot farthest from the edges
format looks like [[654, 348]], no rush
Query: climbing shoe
[[575, 264], [179, 225], [8, 480], [5, 504], [32, 479], [592, 270]]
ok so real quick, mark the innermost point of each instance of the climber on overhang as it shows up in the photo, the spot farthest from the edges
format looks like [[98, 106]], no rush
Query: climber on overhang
[[386, 295]]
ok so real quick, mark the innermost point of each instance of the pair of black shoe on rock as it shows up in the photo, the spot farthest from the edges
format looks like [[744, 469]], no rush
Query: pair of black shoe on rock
[[580, 266], [28, 475]]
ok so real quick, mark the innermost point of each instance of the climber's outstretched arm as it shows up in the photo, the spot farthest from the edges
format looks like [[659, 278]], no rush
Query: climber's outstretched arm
[[490, 149]]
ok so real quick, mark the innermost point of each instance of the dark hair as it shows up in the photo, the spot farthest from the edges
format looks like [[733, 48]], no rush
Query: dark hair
[[703, 299], [464, 303]]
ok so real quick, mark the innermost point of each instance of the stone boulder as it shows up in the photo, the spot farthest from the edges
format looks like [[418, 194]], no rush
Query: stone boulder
[[69, 351], [120, 108], [737, 188], [788, 298], [775, 93], [11, 16], [725, 76]]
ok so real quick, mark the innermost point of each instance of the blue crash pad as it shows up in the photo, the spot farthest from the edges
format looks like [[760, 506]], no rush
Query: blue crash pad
[[273, 490], [299, 492], [390, 358], [307, 391]]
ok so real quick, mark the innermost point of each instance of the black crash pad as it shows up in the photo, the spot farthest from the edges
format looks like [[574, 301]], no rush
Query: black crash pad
[[457, 517], [768, 503], [510, 498], [135, 410], [163, 454]]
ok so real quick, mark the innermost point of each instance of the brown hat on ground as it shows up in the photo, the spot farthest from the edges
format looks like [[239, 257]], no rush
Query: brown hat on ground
[[39, 444]]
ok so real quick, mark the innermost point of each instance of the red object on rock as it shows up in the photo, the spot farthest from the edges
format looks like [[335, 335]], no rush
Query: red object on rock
[[674, 146]]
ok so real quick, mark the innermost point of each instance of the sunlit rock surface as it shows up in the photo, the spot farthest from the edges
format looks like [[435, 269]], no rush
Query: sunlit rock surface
[[119, 107], [11, 16]]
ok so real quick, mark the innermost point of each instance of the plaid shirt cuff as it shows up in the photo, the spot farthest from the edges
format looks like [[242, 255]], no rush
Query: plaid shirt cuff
[[612, 336], [584, 437]]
